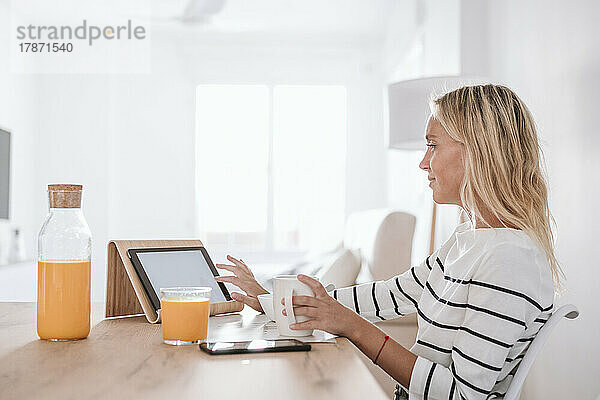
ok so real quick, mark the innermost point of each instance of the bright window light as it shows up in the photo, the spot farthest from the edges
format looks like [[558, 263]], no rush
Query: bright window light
[[270, 166], [309, 153]]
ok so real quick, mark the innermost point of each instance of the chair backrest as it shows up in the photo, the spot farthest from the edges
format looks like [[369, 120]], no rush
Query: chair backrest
[[383, 239], [516, 385]]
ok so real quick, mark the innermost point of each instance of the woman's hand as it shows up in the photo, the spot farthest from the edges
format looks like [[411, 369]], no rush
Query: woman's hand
[[244, 279], [326, 313]]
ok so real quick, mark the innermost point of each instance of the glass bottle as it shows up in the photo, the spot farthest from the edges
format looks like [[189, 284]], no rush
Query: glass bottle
[[64, 256]]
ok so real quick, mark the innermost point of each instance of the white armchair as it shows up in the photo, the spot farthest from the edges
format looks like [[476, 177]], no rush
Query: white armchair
[[383, 240]]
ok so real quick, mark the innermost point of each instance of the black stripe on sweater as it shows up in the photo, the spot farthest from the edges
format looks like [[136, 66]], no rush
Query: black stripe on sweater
[[335, 294], [395, 303], [508, 359], [465, 382], [375, 302], [451, 395], [530, 339], [433, 346], [404, 293], [513, 292], [500, 289], [476, 308], [430, 321], [427, 263], [428, 383], [456, 280], [412, 270], [439, 263], [512, 372], [355, 300], [476, 361], [462, 328], [465, 356]]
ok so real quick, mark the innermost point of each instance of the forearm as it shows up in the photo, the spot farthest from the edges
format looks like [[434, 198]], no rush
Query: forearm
[[381, 300], [394, 359]]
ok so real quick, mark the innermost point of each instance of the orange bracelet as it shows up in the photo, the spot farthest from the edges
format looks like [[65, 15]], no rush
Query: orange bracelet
[[381, 348]]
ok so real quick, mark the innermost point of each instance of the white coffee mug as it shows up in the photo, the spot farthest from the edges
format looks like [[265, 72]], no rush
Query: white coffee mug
[[284, 287]]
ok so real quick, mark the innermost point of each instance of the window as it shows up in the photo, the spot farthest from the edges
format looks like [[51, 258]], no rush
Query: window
[[270, 166]]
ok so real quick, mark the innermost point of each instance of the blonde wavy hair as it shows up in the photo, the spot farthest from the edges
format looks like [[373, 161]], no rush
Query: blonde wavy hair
[[502, 160]]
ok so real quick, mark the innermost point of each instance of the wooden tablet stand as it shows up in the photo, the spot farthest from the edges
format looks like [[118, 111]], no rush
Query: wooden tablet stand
[[125, 294]]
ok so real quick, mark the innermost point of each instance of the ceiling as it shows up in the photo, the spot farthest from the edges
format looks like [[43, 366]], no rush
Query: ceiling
[[346, 23], [365, 19]]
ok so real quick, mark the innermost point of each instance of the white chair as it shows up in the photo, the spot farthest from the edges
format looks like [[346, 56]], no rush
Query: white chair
[[516, 385], [383, 239]]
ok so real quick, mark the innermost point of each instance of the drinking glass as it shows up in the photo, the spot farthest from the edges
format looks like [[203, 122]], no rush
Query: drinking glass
[[184, 314]]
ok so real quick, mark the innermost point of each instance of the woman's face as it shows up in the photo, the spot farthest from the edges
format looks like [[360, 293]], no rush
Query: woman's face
[[443, 162]]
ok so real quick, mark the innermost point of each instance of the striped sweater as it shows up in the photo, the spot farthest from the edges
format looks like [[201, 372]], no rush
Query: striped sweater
[[480, 300]]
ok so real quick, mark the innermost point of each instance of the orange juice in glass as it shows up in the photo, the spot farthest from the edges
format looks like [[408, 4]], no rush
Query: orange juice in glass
[[184, 314]]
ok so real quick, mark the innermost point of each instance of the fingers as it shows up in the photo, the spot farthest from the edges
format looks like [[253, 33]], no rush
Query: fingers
[[303, 301], [231, 279], [314, 284], [306, 311], [310, 324], [251, 301], [230, 268], [238, 263]]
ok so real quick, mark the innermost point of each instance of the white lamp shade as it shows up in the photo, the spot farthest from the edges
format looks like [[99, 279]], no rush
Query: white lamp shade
[[408, 107]]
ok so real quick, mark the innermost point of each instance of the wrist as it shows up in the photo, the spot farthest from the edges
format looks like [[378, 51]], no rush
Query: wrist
[[358, 328]]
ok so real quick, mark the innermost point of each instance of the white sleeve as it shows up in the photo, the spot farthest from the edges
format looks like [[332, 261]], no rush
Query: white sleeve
[[383, 300]]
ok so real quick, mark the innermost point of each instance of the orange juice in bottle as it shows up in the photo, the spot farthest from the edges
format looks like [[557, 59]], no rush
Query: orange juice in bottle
[[64, 253]]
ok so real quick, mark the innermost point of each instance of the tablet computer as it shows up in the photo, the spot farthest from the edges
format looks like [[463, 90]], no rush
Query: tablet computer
[[176, 266]]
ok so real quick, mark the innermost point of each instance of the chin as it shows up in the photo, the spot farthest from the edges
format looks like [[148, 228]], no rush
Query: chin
[[440, 199], [437, 199]]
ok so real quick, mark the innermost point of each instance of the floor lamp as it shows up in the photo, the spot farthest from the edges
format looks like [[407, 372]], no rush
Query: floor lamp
[[408, 109]]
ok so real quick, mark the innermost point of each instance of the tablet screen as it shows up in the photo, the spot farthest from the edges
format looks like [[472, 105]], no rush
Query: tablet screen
[[179, 268]]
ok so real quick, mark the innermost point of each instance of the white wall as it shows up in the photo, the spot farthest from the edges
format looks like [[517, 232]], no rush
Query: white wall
[[423, 39], [549, 53], [18, 109], [155, 114], [129, 139], [72, 146]]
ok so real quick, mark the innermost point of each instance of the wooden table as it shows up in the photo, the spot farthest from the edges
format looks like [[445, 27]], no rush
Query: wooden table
[[125, 358]]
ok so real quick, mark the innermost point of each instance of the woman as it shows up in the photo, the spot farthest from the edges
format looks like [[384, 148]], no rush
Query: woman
[[485, 293]]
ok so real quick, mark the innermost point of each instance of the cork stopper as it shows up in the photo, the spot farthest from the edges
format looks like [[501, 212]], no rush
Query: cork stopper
[[65, 195]]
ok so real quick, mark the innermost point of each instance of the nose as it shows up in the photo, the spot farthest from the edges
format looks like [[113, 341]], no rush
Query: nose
[[424, 164]]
